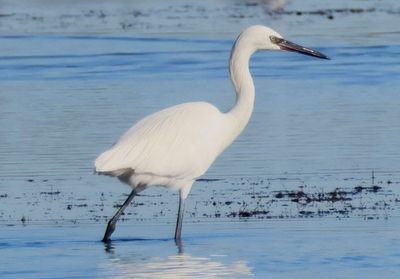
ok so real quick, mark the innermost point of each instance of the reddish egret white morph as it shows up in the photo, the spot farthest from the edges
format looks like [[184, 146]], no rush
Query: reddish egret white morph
[[175, 146]]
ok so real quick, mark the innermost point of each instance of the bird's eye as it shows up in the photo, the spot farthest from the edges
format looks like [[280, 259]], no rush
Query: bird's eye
[[275, 40]]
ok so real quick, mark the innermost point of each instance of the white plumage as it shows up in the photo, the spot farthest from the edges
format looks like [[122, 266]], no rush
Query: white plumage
[[175, 146], [169, 148]]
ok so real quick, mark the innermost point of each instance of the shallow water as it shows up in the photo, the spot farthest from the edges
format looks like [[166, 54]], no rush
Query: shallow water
[[311, 116], [311, 186], [277, 249]]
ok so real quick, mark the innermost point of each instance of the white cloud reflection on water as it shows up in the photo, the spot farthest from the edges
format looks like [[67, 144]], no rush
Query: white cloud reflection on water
[[178, 266]]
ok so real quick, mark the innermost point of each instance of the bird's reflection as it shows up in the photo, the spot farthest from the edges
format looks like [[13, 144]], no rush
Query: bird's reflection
[[179, 265], [109, 247], [179, 245]]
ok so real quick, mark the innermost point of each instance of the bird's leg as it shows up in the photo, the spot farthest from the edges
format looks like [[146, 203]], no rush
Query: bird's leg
[[111, 224], [178, 230]]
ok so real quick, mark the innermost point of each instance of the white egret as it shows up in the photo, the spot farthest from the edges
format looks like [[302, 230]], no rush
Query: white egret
[[175, 146]]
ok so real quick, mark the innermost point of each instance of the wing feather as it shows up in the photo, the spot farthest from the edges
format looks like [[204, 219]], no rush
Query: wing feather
[[181, 141]]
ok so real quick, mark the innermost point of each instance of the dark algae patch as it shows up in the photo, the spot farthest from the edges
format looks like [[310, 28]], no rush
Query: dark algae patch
[[302, 197], [329, 13], [256, 199], [230, 199]]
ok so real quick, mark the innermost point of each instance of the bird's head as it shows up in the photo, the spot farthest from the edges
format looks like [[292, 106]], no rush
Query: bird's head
[[260, 37]]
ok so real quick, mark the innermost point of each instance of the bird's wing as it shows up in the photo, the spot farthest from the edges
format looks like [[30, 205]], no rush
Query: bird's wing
[[181, 141]]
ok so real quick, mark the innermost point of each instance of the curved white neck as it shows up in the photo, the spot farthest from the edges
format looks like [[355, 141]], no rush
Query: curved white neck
[[244, 87]]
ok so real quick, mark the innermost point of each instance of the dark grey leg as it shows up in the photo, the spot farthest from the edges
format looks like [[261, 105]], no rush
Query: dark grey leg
[[111, 224], [178, 230]]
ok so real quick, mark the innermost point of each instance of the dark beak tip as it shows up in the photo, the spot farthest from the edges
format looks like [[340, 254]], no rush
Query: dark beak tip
[[289, 46], [326, 57]]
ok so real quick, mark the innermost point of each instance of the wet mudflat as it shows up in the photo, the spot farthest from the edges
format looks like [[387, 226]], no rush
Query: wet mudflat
[[311, 187]]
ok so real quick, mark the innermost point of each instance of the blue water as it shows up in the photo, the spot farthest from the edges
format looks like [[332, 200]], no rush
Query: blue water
[[310, 115], [279, 249], [317, 125]]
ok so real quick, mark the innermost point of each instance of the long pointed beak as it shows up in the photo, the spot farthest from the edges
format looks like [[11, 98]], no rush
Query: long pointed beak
[[289, 46]]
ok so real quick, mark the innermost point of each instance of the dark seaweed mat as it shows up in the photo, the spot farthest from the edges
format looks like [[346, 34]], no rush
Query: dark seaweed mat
[[211, 199]]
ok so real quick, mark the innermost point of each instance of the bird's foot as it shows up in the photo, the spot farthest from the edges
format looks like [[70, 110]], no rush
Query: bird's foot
[[109, 231]]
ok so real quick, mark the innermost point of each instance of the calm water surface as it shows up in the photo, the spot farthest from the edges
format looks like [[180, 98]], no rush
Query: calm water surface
[[317, 125], [65, 99], [279, 249]]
